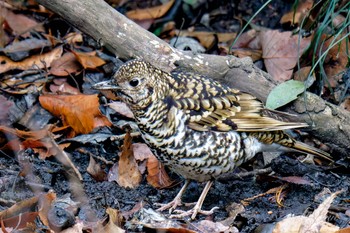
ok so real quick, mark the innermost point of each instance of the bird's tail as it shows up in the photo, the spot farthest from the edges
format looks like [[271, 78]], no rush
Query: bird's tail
[[302, 147], [283, 139]]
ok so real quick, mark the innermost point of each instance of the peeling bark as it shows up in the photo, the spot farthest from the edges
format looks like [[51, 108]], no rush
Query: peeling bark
[[127, 40]]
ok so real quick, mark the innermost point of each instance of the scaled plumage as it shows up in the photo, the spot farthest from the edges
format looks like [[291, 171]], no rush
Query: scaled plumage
[[197, 126]]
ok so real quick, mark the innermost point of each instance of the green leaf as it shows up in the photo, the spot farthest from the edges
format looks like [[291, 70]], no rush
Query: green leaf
[[284, 93]]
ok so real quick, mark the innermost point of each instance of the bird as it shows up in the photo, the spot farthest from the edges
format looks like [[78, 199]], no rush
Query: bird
[[199, 127]]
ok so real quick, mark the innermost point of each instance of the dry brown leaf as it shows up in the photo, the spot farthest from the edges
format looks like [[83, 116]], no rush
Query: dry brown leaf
[[4, 38], [20, 215], [19, 207], [65, 65], [61, 86], [280, 52], [346, 104], [34, 62], [210, 226], [95, 170], [157, 176], [44, 205], [81, 112], [295, 17], [208, 38], [129, 174], [336, 60], [316, 222], [249, 39], [345, 230], [88, 60], [113, 224], [5, 106], [252, 53], [151, 12], [121, 108], [73, 37], [141, 151], [26, 45], [20, 23], [40, 141]]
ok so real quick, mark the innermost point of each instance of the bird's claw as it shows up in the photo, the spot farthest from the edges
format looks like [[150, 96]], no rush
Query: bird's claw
[[171, 205], [193, 212]]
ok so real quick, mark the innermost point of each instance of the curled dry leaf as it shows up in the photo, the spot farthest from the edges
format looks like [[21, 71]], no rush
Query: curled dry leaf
[[129, 174], [114, 222], [95, 170], [34, 62]]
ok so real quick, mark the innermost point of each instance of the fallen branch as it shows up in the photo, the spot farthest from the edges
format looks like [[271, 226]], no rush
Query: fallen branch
[[128, 40]]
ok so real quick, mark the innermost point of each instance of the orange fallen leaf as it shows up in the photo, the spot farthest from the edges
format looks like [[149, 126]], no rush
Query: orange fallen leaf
[[34, 62], [157, 176], [40, 141], [208, 38], [129, 174], [80, 112], [295, 16], [88, 60], [151, 12]]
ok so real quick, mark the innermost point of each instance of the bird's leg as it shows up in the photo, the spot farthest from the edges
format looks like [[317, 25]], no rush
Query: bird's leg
[[198, 207], [176, 202]]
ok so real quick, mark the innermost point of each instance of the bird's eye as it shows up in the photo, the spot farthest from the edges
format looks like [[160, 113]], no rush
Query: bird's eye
[[134, 82]]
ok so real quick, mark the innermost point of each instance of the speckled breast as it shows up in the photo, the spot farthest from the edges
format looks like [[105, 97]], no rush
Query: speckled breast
[[192, 154]]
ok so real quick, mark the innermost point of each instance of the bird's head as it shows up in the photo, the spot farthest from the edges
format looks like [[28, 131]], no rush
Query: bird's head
[[137, 83]]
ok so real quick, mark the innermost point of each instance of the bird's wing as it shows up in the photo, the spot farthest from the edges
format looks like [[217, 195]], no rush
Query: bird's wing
[[211, 106]]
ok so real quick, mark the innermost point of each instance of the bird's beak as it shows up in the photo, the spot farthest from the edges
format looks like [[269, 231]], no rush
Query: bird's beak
[[106, 85]]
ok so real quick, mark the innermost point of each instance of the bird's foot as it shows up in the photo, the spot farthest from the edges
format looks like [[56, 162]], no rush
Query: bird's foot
[[193, 212], [171, 205]]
